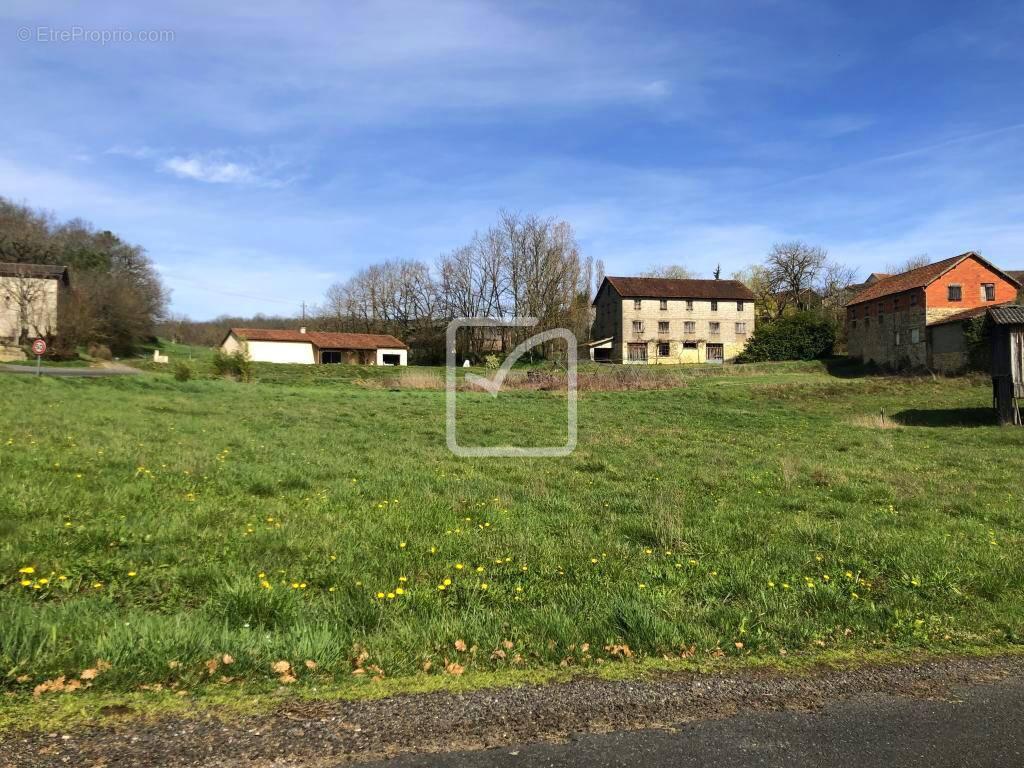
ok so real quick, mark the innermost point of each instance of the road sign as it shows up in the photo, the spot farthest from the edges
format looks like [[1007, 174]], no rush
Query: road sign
[[38, 347]]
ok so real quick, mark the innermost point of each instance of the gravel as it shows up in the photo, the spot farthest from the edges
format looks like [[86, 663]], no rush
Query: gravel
[[312, 733]]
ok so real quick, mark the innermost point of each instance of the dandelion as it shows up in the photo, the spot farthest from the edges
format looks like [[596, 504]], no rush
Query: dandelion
[[391, 595], [518, 588], [266, 584], [484, 586], [648, 551], [401, 545], [27, 569], [447, 582], [642, 586], [97, 585], [593, 559], [771, 584], [458, 566], [440, 587], [403, 579], [26, 582], [44, 581], [399, 591], [479, 569], [380, 595], [131, 573]]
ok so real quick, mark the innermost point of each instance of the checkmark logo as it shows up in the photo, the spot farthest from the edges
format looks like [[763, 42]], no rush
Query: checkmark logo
[[492, 385]]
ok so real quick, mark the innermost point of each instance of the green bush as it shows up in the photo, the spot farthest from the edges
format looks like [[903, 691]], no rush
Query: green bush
[[236, 365], [803, 336], [182, 371], [492, 362]]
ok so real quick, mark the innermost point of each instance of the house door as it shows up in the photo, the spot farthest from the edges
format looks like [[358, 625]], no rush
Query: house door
[[716, 353]]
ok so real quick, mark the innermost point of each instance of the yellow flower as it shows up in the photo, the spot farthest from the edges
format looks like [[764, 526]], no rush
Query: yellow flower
[[391, 595], [593, 559], [403, 579], [401, 545], [447, 582], [97, 584], [647, 551], [27, 569], [26, 582], [440, 587], [266, 584], [479, 569], [44, 581], [484, 586], [399, 591], [380, 595], [642, 586], [518, 588], [458, 566], [131, 573]]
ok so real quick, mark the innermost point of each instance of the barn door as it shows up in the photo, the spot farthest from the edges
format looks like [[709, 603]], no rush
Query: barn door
[[716, 353]]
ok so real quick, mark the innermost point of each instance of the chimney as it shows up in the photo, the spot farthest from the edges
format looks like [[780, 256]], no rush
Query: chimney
[[302, 329]]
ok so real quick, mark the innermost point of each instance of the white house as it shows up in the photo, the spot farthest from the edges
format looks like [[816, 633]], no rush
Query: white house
[[265, 345]]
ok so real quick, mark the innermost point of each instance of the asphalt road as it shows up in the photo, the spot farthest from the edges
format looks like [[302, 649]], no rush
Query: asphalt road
[[123, 370], [982, 725]]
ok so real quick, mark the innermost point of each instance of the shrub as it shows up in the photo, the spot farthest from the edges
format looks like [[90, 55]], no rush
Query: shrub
[[236, 365], [803, 336], [99, 351], [182, 371], [492, 362]]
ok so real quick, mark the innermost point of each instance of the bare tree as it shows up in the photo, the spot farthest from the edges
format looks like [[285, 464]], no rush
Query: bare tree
[[914, 262], [25, 294], [795, 267], [674, 271]]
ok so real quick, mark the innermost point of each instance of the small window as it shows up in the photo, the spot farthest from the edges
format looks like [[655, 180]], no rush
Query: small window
[[955, 293], [739, 306], [741, 329], [896, 304], [988, 291], [636, 303], [689, 326], [663, 326], [897, 338], [663, 349], [637, 352], [663, 304], [881, 308], [714, 306], [638, 326], [689, 345], [913, 299], [689, 305], [714, 328], [915, 335]]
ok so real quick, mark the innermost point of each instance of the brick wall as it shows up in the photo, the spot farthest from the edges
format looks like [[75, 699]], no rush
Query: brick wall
[[970, 274]]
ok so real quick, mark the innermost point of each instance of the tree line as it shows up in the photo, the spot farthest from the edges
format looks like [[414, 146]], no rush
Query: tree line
[[115, 297]]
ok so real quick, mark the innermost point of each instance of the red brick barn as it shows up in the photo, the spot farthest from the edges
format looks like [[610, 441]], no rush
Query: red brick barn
[[894, 321]]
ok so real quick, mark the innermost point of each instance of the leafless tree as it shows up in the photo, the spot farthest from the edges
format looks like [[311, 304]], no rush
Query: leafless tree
[[674, 271], [24, 294], [795, 267], [914, 262]]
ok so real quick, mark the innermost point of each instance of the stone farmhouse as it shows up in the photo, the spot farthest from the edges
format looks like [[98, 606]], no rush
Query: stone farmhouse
[[31, 296], [915, 319], [653, 320]]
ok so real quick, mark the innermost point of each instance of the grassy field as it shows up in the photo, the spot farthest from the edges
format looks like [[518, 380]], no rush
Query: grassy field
[[203, 534]]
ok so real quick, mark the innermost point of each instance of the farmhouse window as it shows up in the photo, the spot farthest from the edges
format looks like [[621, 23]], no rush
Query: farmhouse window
[[689, 326], [663, 304], [896, 304], [881, 308], [689, 345], [988, 291], [638, 326], [955, 293], [689, 305], [636, 303], [913, 299], [739, 306], [714, 305], [663, 326], [714, 328], [741, 329], [330, 356], [915, 335], [663, 349], [897, 338], [637, 352]]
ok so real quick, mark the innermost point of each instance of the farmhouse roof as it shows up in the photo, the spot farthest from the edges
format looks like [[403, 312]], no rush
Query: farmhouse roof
[[671, 288], [966, 314], [322, 340], [918, 278], [1007, 314], [15, 269]]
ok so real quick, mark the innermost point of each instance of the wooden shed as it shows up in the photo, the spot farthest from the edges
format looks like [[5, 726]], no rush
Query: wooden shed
[[1006, 329]]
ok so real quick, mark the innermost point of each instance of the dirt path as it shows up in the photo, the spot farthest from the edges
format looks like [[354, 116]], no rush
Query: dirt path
[[314, 734]]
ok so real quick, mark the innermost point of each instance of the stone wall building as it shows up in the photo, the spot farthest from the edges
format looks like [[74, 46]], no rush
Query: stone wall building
[[653, 321], [896, 321]]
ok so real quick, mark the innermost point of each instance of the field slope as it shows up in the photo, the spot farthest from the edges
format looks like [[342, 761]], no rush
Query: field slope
[[185, 534]]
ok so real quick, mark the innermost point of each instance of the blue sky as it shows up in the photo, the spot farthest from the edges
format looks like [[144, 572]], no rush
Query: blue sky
[[266, 152]]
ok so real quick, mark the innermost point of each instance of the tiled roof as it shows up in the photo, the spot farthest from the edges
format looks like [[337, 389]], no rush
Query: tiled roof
[[915, 278], [322, 340], [966, 314], [1007, 314], [13, 269], [669, 288]]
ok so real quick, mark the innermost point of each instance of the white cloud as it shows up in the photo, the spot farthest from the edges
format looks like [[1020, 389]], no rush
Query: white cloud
[[209, 171]]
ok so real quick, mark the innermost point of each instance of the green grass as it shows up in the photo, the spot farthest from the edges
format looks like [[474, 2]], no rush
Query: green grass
[[751, 510]]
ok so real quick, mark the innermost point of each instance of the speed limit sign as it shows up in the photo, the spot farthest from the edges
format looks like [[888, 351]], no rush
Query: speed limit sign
[[38, 347]]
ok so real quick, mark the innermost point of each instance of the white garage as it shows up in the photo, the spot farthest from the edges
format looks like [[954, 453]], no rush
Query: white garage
[[269, 345]]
